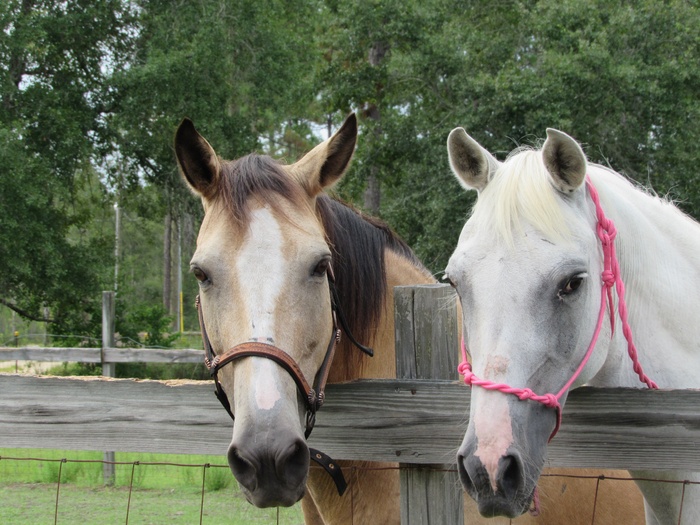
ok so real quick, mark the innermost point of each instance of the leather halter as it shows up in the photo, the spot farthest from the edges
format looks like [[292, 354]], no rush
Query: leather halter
[[313, 396]]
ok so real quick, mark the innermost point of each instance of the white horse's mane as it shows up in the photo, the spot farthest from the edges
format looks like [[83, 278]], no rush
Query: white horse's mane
[[521, 191]]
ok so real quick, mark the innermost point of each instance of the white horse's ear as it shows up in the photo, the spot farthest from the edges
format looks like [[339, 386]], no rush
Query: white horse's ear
[[324, 165], [198, 162], [564, 160], [470, 162]]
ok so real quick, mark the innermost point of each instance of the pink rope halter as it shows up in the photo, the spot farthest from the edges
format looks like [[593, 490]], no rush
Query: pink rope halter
[[611, 277]]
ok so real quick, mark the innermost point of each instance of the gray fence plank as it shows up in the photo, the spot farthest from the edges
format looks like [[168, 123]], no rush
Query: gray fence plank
[[413, 421], [93, 355], [427, 316], [49, 355]]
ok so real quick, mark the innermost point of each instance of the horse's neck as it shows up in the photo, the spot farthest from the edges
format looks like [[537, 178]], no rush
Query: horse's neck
[[659, 253], [383, 365]]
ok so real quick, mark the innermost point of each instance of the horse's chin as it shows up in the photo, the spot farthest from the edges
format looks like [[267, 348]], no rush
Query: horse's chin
[[491, 505], [274, 498], [494, 505]]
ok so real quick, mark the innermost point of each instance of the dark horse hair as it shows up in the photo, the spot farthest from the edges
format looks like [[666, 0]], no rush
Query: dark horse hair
[[357, 241]]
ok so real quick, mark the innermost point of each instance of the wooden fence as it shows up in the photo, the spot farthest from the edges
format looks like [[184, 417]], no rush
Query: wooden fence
[[417, 420]]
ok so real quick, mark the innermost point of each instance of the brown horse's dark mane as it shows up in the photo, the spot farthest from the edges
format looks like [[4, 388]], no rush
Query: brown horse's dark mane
[[358, 241]]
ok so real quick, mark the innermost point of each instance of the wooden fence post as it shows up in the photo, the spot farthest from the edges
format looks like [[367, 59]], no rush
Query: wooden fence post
[[427, 347], [108, 370]]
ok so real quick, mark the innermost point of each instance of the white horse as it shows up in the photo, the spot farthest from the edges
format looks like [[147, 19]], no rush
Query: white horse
[[528, 270]]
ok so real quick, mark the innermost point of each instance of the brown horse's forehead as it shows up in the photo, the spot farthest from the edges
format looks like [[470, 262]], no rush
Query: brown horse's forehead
[[299, 226]]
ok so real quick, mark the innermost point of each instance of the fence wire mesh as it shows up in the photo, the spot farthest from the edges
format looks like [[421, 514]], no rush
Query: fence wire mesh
[[208, 491]]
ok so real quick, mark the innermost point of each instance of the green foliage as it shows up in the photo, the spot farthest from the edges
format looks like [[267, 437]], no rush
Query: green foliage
[[154, 321], [217, 479], [91, 92], [53, 94], [69, 472], [623, 79], [76, 369], [160, 492]]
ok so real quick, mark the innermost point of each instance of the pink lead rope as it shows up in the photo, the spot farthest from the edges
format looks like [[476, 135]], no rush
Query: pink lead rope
[[611, 276]]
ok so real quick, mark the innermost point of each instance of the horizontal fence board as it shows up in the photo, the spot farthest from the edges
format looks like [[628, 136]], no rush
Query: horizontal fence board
[[34, 353], [93, 355], [153, 355], [410, 421]]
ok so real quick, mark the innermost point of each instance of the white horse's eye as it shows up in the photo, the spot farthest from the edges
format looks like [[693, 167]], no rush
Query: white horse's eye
[[446, 279], [573, 284]]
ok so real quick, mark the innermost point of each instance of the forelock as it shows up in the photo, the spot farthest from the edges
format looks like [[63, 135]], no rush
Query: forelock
[[261, 177], [520, 192]]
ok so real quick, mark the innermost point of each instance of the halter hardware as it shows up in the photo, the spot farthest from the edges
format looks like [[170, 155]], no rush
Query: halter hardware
[[313, 396]]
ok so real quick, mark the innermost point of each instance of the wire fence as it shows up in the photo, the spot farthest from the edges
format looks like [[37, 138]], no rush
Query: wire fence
[[207, 493]]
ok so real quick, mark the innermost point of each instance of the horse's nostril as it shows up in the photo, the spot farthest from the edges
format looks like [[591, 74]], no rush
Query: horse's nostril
[[464, 476], [294, 461], [511, 476], [242, 469]]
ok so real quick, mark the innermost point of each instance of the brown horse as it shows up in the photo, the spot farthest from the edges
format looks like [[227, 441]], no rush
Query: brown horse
[[265, 250]]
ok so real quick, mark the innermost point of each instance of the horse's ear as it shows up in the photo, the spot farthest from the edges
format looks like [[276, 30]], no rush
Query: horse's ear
[[324, 165], [198, 161], [470, 162], [564, 160]]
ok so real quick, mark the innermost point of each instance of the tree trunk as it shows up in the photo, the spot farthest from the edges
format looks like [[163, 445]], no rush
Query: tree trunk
[[176, 274], [372, 196], [167, 262]]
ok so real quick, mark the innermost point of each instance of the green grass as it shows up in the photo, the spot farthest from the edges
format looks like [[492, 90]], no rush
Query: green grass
[[162, 493]]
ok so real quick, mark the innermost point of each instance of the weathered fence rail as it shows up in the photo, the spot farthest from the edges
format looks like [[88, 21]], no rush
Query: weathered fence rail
[[95, 355], [407, 421]]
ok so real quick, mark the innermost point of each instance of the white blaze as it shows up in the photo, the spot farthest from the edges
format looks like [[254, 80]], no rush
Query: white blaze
[[260, 261]]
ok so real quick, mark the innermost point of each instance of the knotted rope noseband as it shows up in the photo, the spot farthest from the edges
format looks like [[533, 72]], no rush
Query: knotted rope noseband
[[313, 396]]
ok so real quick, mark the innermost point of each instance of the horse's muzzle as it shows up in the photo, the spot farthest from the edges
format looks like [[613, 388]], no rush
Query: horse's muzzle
[[511, 498], [273, 476]]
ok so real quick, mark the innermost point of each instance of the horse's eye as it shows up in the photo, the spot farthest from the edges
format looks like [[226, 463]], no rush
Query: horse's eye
[[573, 284], [200, 275], [446, 279], [321, 267]]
